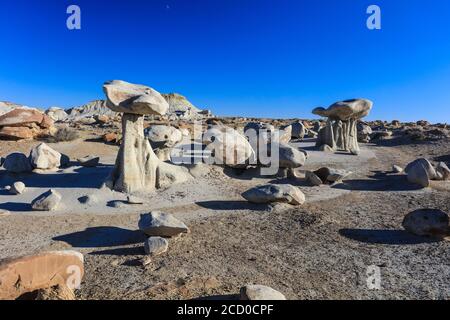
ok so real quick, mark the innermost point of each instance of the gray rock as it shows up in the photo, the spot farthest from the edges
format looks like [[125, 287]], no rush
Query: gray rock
[[154, 246], [161, 224], [275, 193], [89, 161], [259, 292], [313, 179], [427, 222], [420, 172], [290, 157], [47, 201], [17, 163], [18, 188], [298, 130]]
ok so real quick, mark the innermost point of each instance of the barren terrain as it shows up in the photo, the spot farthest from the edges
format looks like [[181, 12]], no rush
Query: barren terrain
[[320, 250]]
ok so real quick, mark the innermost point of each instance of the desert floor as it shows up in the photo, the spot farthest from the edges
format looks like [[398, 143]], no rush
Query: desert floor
[[320, 250]]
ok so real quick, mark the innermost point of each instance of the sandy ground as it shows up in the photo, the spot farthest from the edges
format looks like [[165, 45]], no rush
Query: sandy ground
[[320, 250]]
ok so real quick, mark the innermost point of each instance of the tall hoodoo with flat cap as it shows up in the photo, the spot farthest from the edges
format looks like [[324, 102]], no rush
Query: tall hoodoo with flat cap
[[136, 164], [341, 133]]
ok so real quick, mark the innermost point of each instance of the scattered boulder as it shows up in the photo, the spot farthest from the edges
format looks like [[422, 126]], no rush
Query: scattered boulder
[[330, 175], [45, 158], [161, 224], [427, 222], [18, 188], [155, 246], [89, 161], [298, 130], [397, 169], [313, 179], [25, 275], [364, 132], [47, 201], [275, 193], [17, 163], [420, 172], [288, 156], [259, 292], [228, 147]]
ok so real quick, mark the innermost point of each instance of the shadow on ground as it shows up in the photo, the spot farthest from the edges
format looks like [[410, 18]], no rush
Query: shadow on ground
[[102, 237], [15, 206], [389, 237], [380, 181], [80, 178], [231, 205], [133, 251]]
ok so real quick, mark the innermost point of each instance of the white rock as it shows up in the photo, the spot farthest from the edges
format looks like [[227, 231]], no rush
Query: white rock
[[397, 169], [161, 224], [18, 188], [259, 292], [45, 158]]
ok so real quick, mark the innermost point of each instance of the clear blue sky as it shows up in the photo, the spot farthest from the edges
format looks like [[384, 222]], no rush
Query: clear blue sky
[[275, 58]]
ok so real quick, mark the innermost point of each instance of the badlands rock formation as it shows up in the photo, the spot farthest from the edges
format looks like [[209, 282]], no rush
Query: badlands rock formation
[[137, 167], [24, 123], [340, 132]]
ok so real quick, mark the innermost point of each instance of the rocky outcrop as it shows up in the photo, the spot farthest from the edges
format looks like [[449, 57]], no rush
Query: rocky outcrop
[[137, 167], [89, 111], [340, 133], [181, 108], [24, 123]]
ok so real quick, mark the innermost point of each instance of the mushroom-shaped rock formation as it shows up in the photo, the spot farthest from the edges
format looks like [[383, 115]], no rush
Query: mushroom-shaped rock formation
[[341, 132], [137, 168]]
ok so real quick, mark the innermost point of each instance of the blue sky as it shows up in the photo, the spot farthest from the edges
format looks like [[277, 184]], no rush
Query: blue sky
[[264, 58]]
